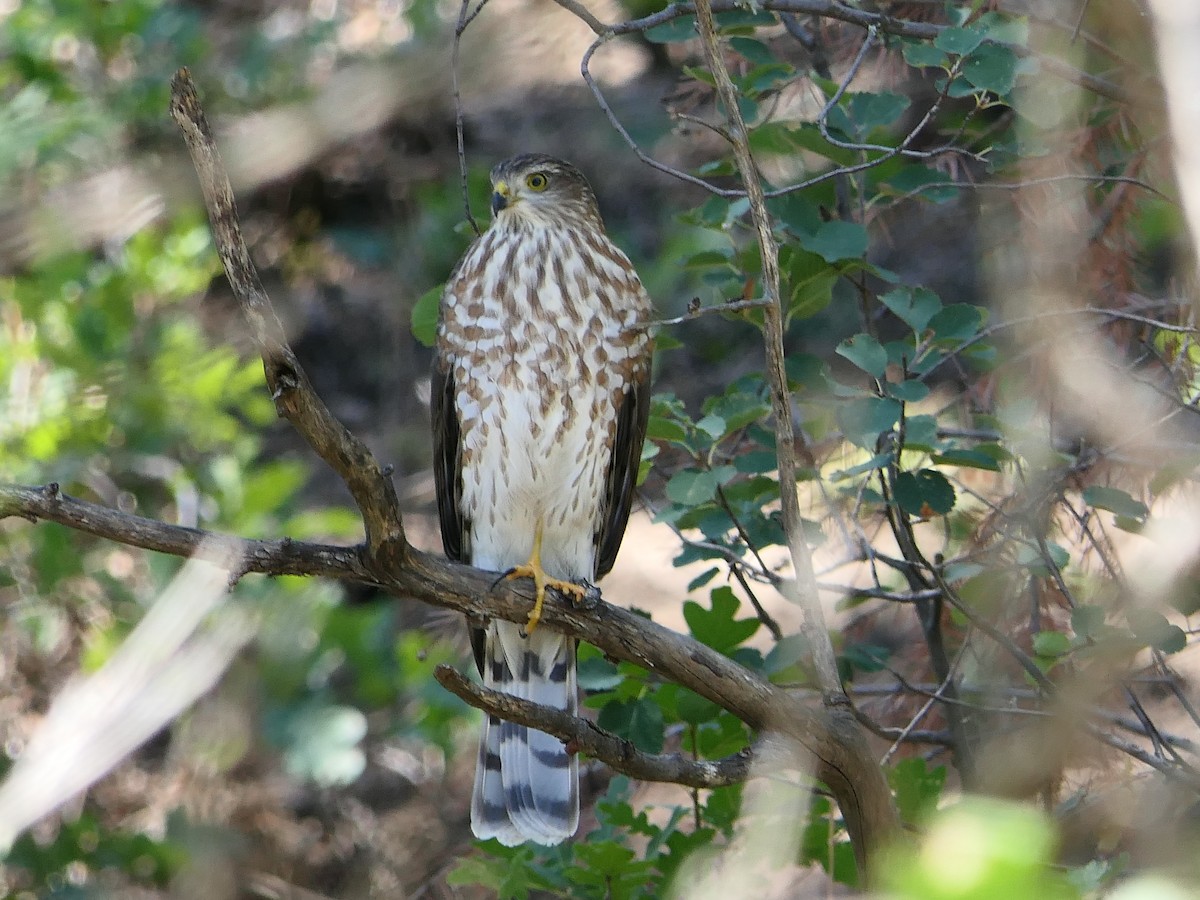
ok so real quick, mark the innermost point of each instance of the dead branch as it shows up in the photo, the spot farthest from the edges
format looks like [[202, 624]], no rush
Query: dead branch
[[583, 736]]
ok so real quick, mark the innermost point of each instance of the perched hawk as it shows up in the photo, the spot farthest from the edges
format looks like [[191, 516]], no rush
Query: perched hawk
[[540, 397]]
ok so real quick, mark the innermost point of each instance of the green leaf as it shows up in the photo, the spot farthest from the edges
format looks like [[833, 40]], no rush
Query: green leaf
[[691, 487], [752, 50], [799, 213], [717, 626], [1051, 644], [811, 280], [918, 788], [992, 67], [1116, 501], [917, 180], [924, 493], [694, 709], [681, 29], [425, 316], [639, 721], [921, 432], [1087, 621], [910, 391], [869, 110], [596, 673], [913, 306], [923, 55], [712, 425], [836, 240], [966, 457], [863, 419], [865, 352], [322, 743], [959, 41], [878, 461], [660, 428], [956, 323], [1153, 629]]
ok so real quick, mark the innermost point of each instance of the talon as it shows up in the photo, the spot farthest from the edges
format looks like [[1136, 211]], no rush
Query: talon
[[533, 569]]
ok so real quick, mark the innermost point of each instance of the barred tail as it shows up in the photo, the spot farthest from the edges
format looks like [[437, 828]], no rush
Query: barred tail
[[526, 784]]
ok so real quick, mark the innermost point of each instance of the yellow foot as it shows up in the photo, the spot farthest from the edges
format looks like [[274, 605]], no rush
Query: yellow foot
[[541, 581]]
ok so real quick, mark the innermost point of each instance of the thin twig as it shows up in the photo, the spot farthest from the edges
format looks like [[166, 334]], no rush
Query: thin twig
[[464, 19]]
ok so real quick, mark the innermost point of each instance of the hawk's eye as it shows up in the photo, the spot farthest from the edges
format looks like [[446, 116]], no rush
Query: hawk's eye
[[536, 182]]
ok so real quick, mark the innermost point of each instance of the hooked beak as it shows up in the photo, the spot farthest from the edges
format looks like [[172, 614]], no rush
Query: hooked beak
[[500, 196]]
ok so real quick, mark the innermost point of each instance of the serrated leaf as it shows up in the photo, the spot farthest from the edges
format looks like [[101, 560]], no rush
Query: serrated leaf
[[865, 352], [924, 493]]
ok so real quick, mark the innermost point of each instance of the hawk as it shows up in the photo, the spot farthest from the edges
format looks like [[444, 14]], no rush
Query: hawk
[[539, 399]]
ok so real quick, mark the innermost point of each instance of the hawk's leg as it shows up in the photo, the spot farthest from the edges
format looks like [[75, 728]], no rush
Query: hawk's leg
[[533, 569]]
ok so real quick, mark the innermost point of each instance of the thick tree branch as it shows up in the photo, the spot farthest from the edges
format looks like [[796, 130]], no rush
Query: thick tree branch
[[583, 736], [294, 396]]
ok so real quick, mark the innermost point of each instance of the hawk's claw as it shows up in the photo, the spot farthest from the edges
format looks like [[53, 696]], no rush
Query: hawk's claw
[[590, 598]]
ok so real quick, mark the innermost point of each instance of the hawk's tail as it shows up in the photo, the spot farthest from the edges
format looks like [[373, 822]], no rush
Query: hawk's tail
[[526, 784]]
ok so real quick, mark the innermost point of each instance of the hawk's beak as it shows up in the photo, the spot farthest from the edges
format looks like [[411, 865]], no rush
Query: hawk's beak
[[500, 196]]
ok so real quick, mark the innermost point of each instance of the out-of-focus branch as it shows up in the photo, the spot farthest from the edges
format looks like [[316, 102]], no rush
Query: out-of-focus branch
[[583, 736]]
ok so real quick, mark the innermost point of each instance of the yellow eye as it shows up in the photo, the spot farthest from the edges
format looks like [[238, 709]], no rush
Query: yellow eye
[[536, 182]]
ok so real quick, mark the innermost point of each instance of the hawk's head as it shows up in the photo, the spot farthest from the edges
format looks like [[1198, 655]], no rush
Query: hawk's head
[[542, 190]]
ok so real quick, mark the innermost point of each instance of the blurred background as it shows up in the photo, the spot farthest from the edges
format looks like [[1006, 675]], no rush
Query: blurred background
[[326, 762]]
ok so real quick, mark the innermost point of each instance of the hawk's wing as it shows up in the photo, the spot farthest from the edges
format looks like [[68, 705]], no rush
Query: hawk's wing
[[623, 470], [447, 461], [447, 477]]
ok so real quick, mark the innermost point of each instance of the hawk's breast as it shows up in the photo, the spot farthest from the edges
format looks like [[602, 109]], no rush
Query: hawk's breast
[[538, 329]]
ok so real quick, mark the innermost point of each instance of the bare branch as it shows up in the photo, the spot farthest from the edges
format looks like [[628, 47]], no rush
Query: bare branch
[[291, 390], [582, 736], [274, 557]]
